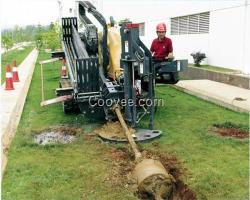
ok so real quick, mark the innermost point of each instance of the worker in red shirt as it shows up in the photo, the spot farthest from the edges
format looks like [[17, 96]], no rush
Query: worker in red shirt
[[161, 47]]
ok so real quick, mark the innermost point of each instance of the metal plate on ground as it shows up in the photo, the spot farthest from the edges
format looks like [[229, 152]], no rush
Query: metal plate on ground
[[139, 135]]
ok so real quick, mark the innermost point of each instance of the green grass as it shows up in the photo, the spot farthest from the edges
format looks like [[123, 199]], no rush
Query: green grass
[[8, 57], [61, 171], [214, 68], [218, 166]]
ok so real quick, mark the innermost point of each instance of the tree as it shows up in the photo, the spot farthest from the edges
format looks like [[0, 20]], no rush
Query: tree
[[7, 42], [39, 40], [51, 39]]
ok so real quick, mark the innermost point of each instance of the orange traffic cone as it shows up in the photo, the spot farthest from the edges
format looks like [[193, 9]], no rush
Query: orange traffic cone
[[15, 72], [9, 80], [63, 69]]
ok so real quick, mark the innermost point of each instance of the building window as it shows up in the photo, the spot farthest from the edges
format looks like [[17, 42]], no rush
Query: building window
[[142, 29], [190, 24]]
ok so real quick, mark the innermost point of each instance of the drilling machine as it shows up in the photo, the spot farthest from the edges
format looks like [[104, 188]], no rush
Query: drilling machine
[[115, 67]]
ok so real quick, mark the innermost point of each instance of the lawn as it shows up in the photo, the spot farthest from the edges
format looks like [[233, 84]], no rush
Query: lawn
[[8, 57], [217, 166]]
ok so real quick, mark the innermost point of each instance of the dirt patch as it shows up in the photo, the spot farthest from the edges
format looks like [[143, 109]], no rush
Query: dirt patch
[[232, 132], [123, 165], [58, 134], [229, 129], [53, 137], [112, 130], [66, 129]]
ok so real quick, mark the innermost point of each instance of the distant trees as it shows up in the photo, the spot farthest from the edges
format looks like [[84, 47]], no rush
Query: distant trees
[[20, 34], [43, 36]]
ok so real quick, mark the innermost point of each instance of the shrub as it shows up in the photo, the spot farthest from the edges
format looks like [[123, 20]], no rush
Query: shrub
[[198, 57]]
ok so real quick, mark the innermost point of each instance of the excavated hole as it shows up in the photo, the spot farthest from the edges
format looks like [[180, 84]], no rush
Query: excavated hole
[[55, 135], [123, 165]]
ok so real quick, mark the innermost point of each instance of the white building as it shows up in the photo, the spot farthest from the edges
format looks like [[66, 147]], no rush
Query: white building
[[218, 28]]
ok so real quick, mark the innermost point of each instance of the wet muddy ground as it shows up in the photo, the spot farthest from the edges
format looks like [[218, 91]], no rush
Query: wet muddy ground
[[57, 134]]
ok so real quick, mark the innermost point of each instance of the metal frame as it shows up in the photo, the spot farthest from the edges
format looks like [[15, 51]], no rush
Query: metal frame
[[89, 77]]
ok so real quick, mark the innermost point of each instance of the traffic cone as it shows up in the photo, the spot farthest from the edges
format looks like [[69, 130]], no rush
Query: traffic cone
[[15, 72], [9, 79], [63, 69]]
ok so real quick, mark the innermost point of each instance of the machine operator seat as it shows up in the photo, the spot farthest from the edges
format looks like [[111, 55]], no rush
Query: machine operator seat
[[166, 71]]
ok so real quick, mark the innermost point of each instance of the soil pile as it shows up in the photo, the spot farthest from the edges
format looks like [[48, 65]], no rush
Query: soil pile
[[113, 130]]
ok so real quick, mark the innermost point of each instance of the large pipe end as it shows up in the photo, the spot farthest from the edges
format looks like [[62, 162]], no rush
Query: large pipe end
[[153, 179]]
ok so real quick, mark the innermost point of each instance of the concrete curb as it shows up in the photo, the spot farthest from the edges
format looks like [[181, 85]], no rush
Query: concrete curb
[[227, 78], [224, 102], [12, 103]]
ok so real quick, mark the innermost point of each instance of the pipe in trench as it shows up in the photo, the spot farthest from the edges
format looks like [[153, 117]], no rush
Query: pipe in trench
[[151, 176]]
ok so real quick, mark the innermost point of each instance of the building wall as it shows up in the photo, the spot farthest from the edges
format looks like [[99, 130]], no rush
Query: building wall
[[226, 38], [224, 45], [247, 39]]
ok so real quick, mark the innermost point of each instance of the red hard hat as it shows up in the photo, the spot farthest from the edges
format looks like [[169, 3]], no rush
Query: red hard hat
[[161, 27]]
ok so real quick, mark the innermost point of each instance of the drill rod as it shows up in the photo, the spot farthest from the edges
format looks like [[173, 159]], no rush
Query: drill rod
[[127, 133]]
